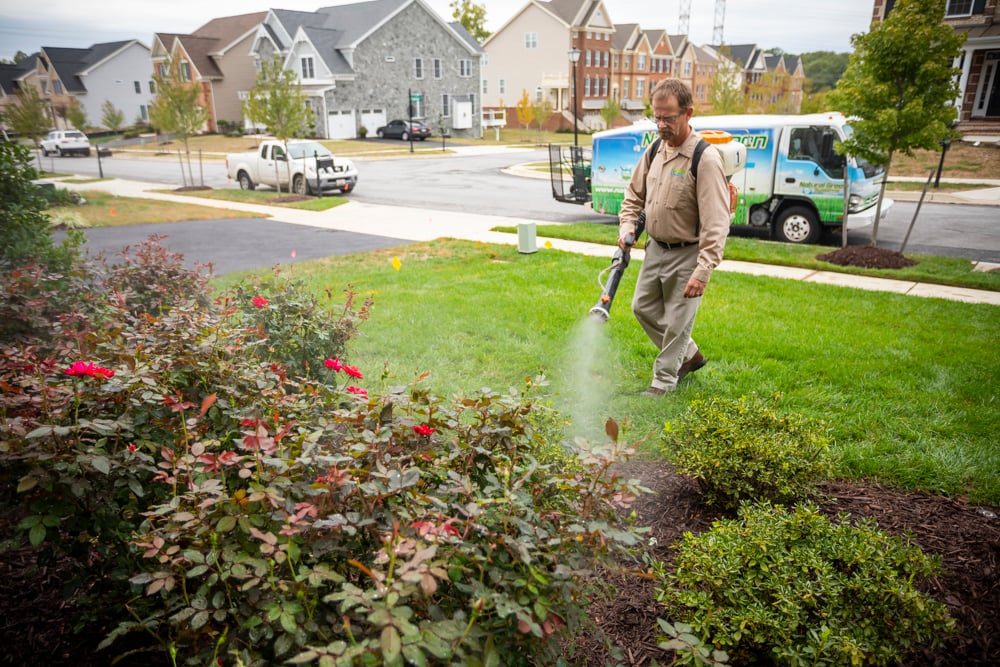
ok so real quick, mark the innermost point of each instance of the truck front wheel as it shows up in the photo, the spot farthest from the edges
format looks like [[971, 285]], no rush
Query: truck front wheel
[[299, 185], [797, 224], [246, 183]]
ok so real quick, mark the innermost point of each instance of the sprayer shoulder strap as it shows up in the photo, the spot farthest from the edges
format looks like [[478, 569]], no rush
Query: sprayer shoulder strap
[[695, 158]]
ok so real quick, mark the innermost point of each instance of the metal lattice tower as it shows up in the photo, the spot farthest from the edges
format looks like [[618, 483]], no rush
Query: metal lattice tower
[[684, 25], [720, 20]]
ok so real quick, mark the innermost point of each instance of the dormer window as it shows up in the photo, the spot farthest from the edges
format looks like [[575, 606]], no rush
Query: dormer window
[[308, 70]]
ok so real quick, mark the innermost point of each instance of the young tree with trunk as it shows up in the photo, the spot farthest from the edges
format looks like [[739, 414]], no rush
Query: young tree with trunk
[[177, 108], [111, 116], [525, 112], [76, 116], [29, 116], [277, 102], [472, 17], [899, 84], [610, 111]]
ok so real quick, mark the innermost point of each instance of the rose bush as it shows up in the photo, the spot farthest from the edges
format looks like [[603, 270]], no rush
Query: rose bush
[[224, 493]]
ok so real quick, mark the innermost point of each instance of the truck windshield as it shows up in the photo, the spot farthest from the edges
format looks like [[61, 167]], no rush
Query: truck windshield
[[867, 167], [301, 149]]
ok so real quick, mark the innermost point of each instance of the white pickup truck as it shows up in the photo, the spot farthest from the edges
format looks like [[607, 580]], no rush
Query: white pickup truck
[[302, 167]]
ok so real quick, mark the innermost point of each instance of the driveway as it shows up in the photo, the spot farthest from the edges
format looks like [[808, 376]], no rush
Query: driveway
[[238, 244]]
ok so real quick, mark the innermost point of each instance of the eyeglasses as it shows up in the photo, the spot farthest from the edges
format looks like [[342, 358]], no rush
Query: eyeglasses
[[667, 120]]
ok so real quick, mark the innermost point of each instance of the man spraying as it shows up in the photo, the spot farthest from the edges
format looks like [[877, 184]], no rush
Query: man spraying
[[687, 220]]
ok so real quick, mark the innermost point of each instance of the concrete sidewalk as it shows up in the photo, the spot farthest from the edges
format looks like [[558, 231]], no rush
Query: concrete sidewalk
[[415, 224]]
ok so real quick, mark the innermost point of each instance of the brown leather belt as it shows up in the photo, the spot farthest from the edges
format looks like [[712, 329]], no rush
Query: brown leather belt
[[674, 246]]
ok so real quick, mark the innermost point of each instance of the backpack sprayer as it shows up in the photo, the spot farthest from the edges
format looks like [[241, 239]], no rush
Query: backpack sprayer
[[734, 156], [619, 262]]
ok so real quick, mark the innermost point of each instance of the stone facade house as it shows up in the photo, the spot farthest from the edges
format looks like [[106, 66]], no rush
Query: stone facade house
[[217, 57], [978, 103], [363, 64]]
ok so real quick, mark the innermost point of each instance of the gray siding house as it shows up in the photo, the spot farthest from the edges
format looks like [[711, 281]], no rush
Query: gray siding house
[[363, 64]]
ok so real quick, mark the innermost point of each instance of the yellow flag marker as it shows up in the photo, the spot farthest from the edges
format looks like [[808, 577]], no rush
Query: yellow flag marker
[[548, 244], [396, 263]]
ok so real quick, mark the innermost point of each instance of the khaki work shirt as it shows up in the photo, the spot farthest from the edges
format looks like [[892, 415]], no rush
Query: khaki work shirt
[[674, 203]]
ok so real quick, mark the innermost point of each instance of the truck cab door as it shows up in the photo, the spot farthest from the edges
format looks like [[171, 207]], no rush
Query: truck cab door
[[809, 168], [273, 164]]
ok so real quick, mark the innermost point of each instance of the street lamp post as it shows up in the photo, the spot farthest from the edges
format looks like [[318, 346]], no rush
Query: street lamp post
[[574, 57]]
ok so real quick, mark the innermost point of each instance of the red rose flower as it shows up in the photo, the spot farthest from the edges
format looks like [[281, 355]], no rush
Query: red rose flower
[[423, 429], [259, 302], [353, 371], [333, 364]]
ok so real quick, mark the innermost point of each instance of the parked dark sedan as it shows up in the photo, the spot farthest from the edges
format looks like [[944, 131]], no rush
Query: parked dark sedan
[[402, 129]]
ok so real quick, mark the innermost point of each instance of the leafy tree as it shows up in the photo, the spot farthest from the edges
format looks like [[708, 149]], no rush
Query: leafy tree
[[177, 108], [111, 116], [24, 228], [541, 110], [525, 112], [472, 17], [726, 92], [18, 57], [277, 102], [823, 69], [815, 102], [29, 115], [899, 84], [76, 115], [610, 111]]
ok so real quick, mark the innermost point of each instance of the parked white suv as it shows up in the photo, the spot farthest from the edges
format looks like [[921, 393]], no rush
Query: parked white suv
[[65, 142]]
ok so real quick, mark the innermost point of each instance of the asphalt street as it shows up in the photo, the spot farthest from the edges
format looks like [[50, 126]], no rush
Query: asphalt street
[[238, 244]]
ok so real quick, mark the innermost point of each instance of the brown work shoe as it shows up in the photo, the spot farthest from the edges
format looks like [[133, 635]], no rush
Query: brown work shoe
[[654, 392], [691, 365]]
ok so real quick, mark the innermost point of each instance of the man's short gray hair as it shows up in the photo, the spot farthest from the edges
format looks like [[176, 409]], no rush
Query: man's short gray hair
[[673, 88]]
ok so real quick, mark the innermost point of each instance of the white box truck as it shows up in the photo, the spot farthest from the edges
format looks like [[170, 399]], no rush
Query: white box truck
[[792, 183]]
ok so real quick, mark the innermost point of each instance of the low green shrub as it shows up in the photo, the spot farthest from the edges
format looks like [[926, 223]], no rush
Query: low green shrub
[[790, 587], [745, 450]]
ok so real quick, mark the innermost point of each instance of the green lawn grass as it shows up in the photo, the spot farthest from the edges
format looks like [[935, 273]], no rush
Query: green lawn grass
[[909, 385], [929, 268]]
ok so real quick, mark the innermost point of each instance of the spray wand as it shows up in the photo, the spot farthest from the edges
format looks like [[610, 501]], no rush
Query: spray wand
[[619, 262]]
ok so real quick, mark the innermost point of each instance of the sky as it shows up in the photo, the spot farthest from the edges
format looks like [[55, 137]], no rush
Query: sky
[[794, 26]]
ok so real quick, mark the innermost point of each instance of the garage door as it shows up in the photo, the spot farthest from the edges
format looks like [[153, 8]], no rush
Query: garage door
[[373, 119], [340, 125]]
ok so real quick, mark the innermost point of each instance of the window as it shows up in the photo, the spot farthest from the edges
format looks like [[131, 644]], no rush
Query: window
[[958, 8], [586, 86], [144, 112], [485, 87], [45, 87], [627, 60], [538, 93], [57, 87], [152, 87], [687, 69], [162, 69], [308, 72], [503, 86], [589, 34], [604, 87], [625, 89], [185, 71], [607, 55], [642, 61], [531, 40], [640, 88], [418, 68], [437, 68], [616, 61], [417, 106], [587, 59], [445, 105], [138, 87], [465, 68]]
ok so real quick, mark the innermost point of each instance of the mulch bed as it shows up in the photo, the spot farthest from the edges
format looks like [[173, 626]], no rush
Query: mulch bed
[[868, 257], [967, 537], [36, 625]]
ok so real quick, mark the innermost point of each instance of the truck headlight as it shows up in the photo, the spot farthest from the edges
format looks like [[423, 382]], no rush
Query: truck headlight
[[854, 203]]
